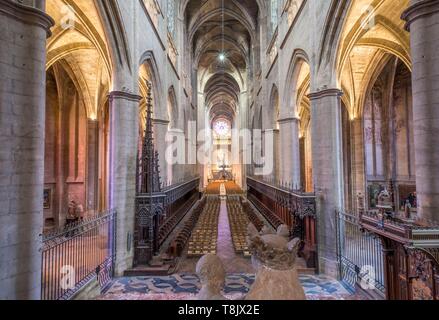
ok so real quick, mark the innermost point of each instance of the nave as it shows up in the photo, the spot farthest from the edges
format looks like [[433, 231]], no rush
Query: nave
[[119, 119], [222, 230]]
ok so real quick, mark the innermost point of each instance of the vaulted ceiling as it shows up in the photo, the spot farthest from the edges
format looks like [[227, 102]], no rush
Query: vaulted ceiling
[[373, 33], [221, 33], [78, 45]]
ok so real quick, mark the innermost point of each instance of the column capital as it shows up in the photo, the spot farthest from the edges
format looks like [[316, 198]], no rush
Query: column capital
[[334, 92], [125, 96], [419, 9], [176, 131], [162, 122], [270, 131], [288, 120], [26, 14]]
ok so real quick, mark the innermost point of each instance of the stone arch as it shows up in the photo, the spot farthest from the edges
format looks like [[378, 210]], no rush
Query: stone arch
[[112, 22], [149, 63], [291, 101], [363, 48], [81, 53], [371, 33], [67, 147], [275, 106], [81, 43]]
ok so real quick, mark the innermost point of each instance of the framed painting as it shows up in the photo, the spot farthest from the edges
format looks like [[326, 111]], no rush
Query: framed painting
[[47, 198]]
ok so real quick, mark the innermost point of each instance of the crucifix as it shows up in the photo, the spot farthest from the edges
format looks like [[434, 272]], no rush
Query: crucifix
[[223, 168]]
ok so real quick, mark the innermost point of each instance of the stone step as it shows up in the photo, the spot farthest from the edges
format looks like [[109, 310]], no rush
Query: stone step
[[306, 271], [147, 271]]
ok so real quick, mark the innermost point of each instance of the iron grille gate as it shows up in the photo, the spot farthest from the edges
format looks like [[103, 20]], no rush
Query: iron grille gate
[[73, 256], [360, 255]]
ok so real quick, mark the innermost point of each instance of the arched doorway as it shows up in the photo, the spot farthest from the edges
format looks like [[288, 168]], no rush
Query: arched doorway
[[77, 117]]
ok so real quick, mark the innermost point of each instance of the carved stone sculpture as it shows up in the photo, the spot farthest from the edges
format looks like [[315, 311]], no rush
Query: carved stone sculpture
[[266, 230], [275, 260], [212, 274], [384, 200]]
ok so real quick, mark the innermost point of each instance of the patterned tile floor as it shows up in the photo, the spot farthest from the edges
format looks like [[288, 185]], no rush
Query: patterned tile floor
[[186, 287]]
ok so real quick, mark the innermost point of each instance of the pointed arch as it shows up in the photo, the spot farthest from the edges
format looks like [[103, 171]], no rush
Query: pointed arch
[[291, 99], [148, 61], [275, 106]]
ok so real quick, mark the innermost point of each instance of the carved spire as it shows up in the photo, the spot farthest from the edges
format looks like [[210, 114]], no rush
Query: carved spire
[[149, 162]]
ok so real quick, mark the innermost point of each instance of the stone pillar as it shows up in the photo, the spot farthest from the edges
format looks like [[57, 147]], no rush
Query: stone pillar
[[245, 144], [274, 156], [327, 148], [22, 127], [201, 145], [423, 23], [160, 130], [290, 151], [358, 164], [124, 135], [92, 165], [175, 141]]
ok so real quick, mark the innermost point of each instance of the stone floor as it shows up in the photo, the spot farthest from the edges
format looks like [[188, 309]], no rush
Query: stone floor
[[186, 287]]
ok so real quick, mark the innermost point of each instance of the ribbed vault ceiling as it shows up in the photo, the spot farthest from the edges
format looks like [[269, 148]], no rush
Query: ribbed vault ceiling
[[216, 28]]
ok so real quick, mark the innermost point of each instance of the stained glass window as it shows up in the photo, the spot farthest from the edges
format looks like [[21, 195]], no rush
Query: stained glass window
[[274, 9], [222, 128], [171, 17]]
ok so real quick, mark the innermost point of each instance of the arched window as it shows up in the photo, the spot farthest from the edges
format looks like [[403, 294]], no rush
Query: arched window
[[222, 128], [171, 17], [274, 16]]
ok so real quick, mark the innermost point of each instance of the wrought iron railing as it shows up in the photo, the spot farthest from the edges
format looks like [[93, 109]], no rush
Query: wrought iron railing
[[360, 255], [76, 254]]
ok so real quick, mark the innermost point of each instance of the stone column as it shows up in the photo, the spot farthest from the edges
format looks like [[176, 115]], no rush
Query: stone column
[[423, 23], [271, 157], [327, 148], [246, 152], [160, 130], [201, 127], [92, 165], [22, 127], [290, 151], [358, 165], [175, 163], [124, 135]]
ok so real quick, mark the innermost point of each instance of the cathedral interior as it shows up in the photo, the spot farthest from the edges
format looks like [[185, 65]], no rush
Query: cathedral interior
[[219, 149]]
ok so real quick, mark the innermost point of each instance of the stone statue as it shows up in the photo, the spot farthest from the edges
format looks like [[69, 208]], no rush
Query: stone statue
[[212, 274], [283, 231], [266, 230], [76, 210], [79, 211], [72, 209], [275, 261], [384, 200]]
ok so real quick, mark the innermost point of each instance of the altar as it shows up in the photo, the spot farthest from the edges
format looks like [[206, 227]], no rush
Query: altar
[[222, 173]]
